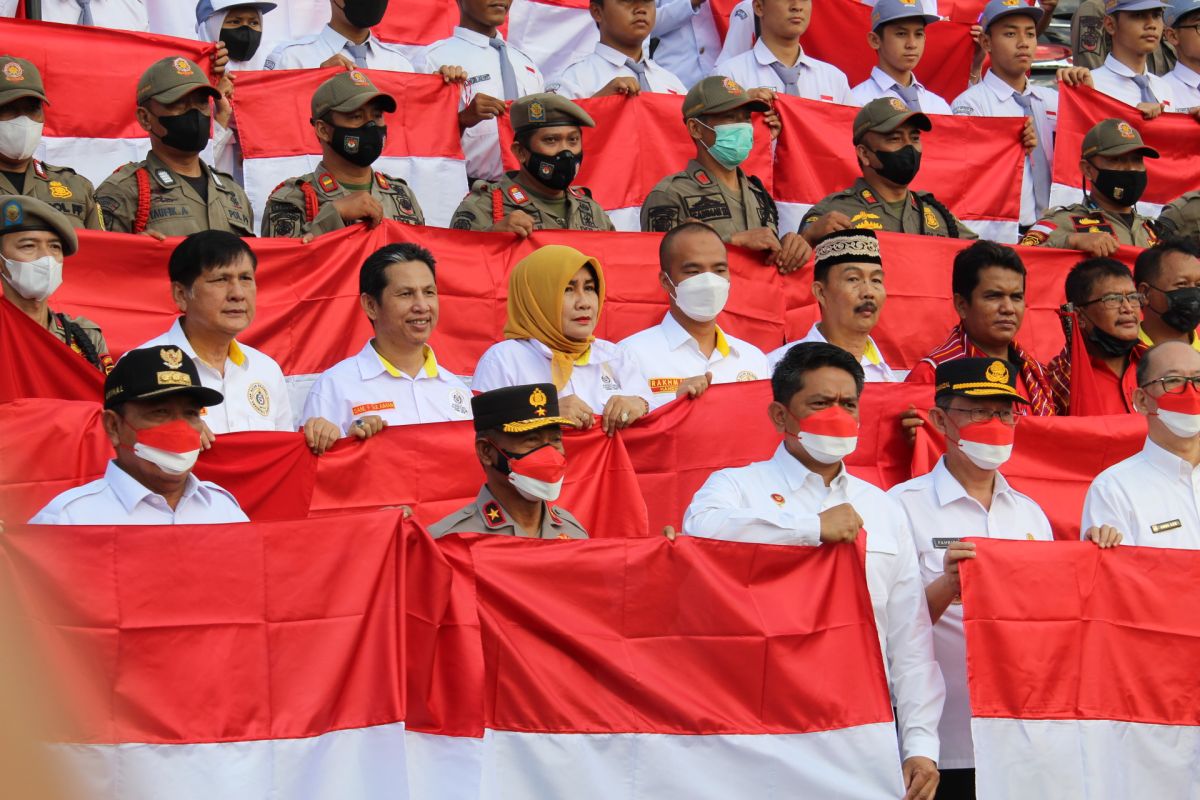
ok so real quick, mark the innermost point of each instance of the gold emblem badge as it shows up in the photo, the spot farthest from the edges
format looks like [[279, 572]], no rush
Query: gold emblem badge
[[898, 104], [537, 112], [1011, 3], [59, 191], [746, 375], [1126, 130], [997, 372], [358, 78], [13, 213], [13, 72], [778, 498], [1029, 537], [732, 86], [172, 357], [182, 66], [931, 220], [259, 397], [538, 400]]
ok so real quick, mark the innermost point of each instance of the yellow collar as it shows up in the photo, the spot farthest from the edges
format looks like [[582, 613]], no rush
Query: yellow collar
[[872, 354], [584, 358], [1145, 339], [722, 344], [235, 354], [430, 366]]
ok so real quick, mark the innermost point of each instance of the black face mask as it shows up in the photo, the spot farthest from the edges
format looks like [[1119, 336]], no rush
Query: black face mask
[[1108, 344], [1124, 187], [360, 146], [555, 172], [187, 131], [364, 13], [1183, 308], [241, 42], [899, 166]]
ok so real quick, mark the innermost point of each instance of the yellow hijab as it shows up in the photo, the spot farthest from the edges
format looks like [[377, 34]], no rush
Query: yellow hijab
[[535, 304]]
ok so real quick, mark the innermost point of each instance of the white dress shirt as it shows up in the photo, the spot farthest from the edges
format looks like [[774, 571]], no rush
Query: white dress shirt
[[367, 384], [875, 369], [817, 81], [1151, 498], [126, 15], [315, 50], [602, 372], [256, 394], [880, 84], [119, 499], [1116, 80], [940, 511], [592, 73], [688, 42], [739, 36], [992, 97], [1185, 86], [739, 504], [471, 51], [667, 354]]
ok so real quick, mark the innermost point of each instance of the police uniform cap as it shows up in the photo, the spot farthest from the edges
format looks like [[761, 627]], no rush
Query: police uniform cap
[[20, 78], [1115, 137], [20, 212], [545, 110], [996, 9], [517, 409], [171, 78], [886, 11], [206, 8], [156, 372], [1178, 9], [716, 94], [855, 245], [884, 115], [1113, 6], [977, 377], [349, 90]]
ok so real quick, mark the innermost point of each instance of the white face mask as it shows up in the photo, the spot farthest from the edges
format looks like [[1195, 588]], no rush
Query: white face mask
[[167, 461], [534, 490], [701, 297], [1180, 413], [988, 445], [829, 435], [34, 280], [19, 137]]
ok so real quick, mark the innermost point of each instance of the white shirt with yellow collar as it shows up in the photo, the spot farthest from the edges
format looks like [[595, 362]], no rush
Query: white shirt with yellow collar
[[1152, 498], [368, 384], [315, 50], [875, 369], [256, 394], [667, 354]]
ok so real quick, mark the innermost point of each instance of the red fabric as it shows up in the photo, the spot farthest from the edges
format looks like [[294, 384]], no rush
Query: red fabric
[[36, 364], [1172, 135], [1085, 385], [417, 21], [1039, 618]]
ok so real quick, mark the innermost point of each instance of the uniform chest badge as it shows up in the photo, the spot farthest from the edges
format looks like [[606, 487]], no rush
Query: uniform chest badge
[[931, 220], [382, 181], [868, 195], [1163, 527], [702, 178], [493, 515], [59, 191], [459, 403], [1030, 537], [746, 375], [259, 397], [327, 182], [517, 195], [865, 219], [779, 499]]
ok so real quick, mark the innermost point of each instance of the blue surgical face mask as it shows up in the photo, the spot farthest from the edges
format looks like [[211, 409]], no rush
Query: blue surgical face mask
[[733, 144]]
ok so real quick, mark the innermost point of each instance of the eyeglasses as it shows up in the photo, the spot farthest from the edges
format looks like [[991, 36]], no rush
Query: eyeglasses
[[1195, 27], [1115, 300], [1008, 417], [1175, 384]]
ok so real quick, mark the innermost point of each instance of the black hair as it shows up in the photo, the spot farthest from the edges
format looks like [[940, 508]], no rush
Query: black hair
[[1081, 280], [1148, 267], [788, 377], [206, 250], [372, 276], [664, 247], [980, 255]]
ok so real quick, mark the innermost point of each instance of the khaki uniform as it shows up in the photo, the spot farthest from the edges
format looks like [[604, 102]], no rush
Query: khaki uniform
[[174, 208], [486, 515], [63, 189], [68, 329], [694, 194], [1182, 217], [866, 210], [290, 206], [1091, 45], [477, 211], [1065, 221]]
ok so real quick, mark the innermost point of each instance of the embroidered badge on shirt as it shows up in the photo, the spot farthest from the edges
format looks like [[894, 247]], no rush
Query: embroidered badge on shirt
[[493, 515], [59, 191], [931, 220], [1163, 527], [387, 405], [779, 499], [746, 375], [459, 403], [259, 397], [664, 385]]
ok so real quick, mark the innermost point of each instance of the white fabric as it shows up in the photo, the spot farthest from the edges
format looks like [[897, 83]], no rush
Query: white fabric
[[938, 509], [256, 394], [471, 51], [126, 15], [313, 51], [1185, 86], [738, 504], [667, 353], [992, 97], [554, 36], [880, 84], [119, 499], [592, 73], [739, 37], [357, 387], [688, 43], [872, 372], [817, 81], [608, 373], [1150, 487], [1116, 80]]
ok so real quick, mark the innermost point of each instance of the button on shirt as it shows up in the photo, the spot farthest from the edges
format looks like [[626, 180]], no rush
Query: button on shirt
[[126, 15], [739, 504], [1116, 80], [1185, 86], [880, 84], [667, 354], [817, 80], [688, 42], [472, 52], [593, 72], [875, 369], [119, 499], [1150, 497], [939, 511], [256, 394], [602, 372], [992, 97], [368, 384], [315, 50]]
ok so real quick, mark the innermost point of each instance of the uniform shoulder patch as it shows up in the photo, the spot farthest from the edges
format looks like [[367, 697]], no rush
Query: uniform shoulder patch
[[661, 219], [327, 182], [517, 195], [1091, 32], [868, 196], [493, 515], [702, 178]]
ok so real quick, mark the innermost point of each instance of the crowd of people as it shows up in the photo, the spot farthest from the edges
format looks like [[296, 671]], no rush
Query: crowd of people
[[1131, 334]]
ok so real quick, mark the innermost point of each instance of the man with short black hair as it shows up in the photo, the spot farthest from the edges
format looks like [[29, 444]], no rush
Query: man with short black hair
[[1168, 274], [897, 36], [1135, 30]]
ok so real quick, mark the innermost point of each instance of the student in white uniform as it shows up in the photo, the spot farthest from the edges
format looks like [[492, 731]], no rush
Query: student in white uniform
[[965, 495], [688, 351], [1136, 28], [1153, 497], [496, 71], [395, 379], [848, 286], [1183, 33], [688, 42], [777, 61], [238, 25], [127, 15], [897, 35], [153, 399], [619, 64], [804, 496], [555, 296]]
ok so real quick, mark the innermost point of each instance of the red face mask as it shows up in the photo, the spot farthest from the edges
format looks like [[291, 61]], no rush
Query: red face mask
[[829, 435], [538, 474], [172, 446]]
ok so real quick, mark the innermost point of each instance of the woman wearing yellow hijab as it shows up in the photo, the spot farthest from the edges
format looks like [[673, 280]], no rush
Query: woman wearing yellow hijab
[[555, 295]]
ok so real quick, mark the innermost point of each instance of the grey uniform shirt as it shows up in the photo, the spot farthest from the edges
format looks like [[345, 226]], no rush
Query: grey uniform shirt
[[486, 515]]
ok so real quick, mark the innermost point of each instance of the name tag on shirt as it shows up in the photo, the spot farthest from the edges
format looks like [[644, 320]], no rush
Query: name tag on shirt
[[474, 79], [944, 542], [665, 385], [384, 406], [1163, 527]]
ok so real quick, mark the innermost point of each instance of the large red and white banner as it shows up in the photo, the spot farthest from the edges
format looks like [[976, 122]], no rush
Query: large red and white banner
[[1081, 666]]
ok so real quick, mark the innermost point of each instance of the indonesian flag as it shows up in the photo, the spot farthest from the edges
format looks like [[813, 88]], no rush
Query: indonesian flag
[[352, 657], [46, 367], [1081, 667], [1173, 135]]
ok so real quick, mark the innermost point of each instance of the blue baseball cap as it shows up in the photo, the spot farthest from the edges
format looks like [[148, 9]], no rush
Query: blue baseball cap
[[891, 10], [1179, 9], [206, 8], [1113, 6], [996, 9]]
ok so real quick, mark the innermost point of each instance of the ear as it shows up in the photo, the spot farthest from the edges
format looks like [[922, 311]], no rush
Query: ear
[[961, 306], [1087, 170], [758, 8], [987, 43], [776, 411], [484, 451], [111, 422], [939, 419], [595, 12], [861, 152], [694, 129], [520, 153], [323, 131], [180, 294], [818, 290], [1172, 37], [1110, 25], [144, 118], [664, 281], [369, 306], [873, 40], [1139, 401]]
